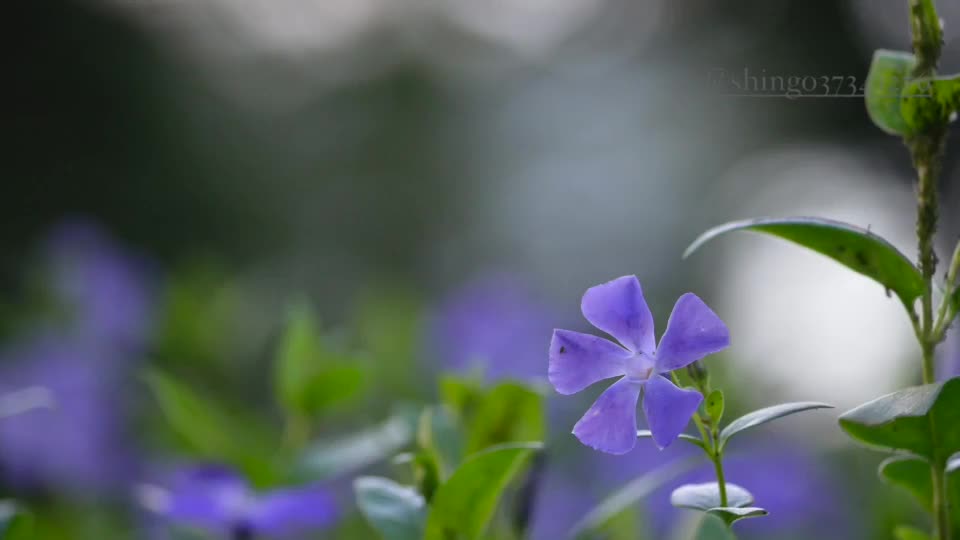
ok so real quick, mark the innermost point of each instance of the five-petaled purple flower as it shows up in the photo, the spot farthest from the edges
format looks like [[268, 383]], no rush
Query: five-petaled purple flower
[[216, 499], [580, 360]]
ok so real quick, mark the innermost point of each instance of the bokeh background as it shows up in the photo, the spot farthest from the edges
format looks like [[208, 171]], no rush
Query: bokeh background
[[440, 180]]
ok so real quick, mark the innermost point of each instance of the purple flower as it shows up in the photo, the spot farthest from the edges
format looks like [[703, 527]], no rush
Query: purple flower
[[493, 323], [218, 500], [580, 360], [79, 442], [949, 352], [104, 289]]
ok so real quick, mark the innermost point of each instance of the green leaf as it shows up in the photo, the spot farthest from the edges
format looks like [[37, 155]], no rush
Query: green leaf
[[310, 379], [396, 512], [629, 495], [509, 412], [462, 395], [762, 416], [904, 532], [210, 432], [15, 523], [905, 420], [647, 434], [439, 435], [714, 406], [706, 498], [853, 247], [465, 504], [356, 451], [911, 473], [929, 102], [714, 528], [889, 73]]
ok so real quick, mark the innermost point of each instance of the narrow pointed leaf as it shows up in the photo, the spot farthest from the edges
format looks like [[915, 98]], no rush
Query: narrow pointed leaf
[[349, 453], [904, 532], [921, 420], [397, 512], [464, 505], [854, 247], [647, 434], [889, 72], [630, 495], [731, 514], [762, 416]]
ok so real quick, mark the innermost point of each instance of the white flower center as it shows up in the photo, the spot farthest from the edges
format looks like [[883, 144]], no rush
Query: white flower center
[[639, 366]]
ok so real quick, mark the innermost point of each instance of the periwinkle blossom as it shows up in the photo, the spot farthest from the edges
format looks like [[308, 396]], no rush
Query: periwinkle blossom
[[81, 357], [217, 500], [493, 324], [78, 442], [579, 360], [104, 289]]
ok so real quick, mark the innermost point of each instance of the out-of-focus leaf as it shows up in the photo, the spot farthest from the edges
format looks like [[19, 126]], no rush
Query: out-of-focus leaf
[[462, 395], [389, 324], [914, 475], [762, 416], [439, 435], [856, 248], [396, 512], [353, 452], [465, 504], [15, 524], [920, 419], [889, 73], [714, 406], [713, 528], [630, 495], [706, 498], [310, 379], [210, 432], [905, 532], [509, 412]]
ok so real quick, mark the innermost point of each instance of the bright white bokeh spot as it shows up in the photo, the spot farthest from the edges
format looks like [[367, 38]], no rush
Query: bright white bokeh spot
[[804, 326]]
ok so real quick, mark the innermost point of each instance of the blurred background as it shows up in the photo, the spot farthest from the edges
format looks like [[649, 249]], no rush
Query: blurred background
[[439, 181]]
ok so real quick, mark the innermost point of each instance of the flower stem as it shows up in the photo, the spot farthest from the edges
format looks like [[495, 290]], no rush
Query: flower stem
[[926, 149], [721, 481]]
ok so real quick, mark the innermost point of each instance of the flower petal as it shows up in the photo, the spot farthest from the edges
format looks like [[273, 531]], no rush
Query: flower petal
[[668, 409], [209, 496], [293, 511], [694, 331], [618, 308], [611, 423], [579, 360]]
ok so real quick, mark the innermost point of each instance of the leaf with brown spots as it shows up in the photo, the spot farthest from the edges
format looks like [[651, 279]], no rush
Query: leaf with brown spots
[[856, 248]]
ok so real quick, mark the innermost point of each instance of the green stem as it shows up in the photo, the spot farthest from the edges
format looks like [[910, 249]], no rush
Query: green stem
[[942, 519], [721, 480]]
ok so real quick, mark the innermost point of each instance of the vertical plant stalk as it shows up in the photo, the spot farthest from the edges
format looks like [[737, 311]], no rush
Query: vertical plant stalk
[[926, 150]]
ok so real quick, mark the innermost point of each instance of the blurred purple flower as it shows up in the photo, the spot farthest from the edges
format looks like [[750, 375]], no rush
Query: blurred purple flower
[[580, 360], [82, 361], [494, 324], [79, 442], [105, 290], [218, 500]]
